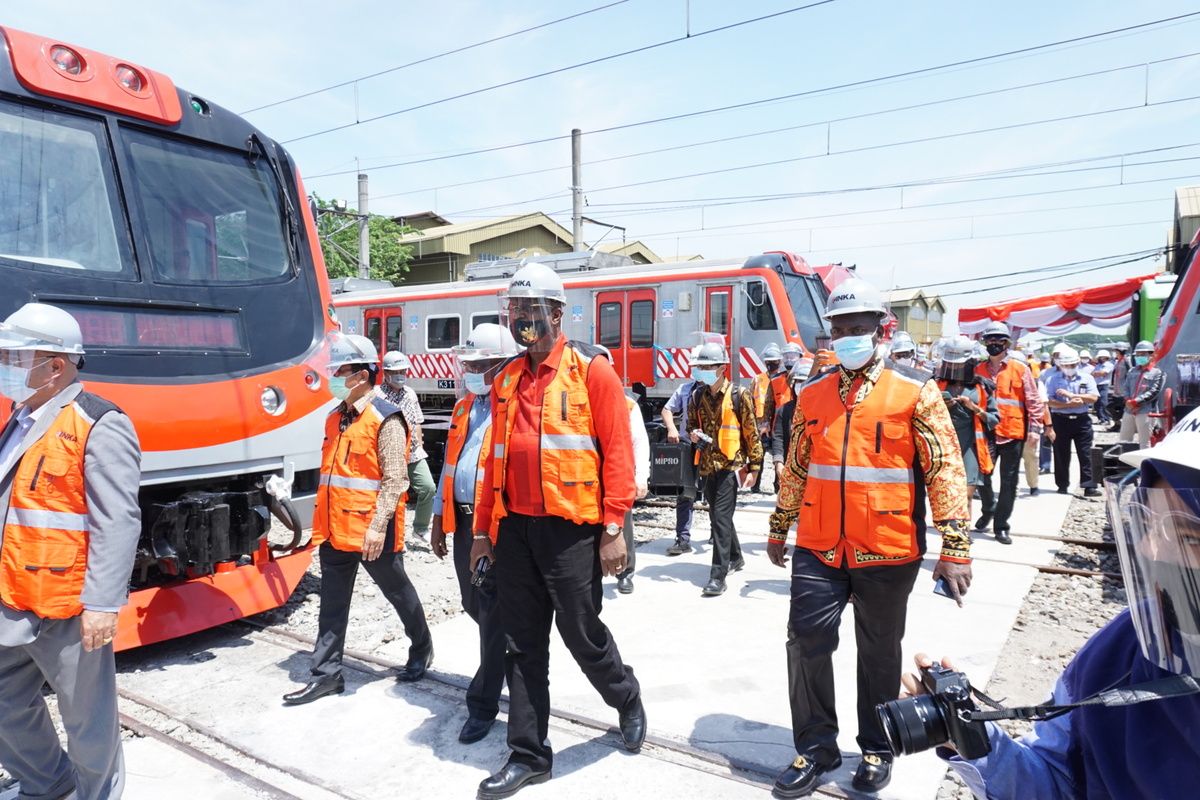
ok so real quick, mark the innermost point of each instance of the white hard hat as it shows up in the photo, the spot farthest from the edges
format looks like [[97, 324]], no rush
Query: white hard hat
[[1067, 356], [1144, 346], [1017, 355], [902, 343], [957, 350], [791, 348], [351, 348], [771, 352], [1103, 354], [37, 326], [854, 296], [692, 354], [537, 281], [488, 341], [1085, 353], [1180, 446], [1058, 348], [395, 361], [801, 370], [996, 328], [710, 353]]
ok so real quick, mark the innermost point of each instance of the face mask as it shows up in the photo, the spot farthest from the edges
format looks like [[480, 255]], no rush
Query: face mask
[[1069, 371], [706, 376], [528, 332], [14, 383], [788, 363], [854, 351], [1141, 361], [996, 348], [338, 388], [476, 383], [907, 361], [397, 380]]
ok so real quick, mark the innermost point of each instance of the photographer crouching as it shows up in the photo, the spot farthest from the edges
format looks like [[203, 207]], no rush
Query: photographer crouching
[[1124, 719]]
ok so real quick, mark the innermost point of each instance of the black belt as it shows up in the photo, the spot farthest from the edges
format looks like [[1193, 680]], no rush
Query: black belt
[[467, 509]]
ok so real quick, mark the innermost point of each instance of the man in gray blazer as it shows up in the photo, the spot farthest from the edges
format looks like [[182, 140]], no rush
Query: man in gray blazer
[[70, 464]]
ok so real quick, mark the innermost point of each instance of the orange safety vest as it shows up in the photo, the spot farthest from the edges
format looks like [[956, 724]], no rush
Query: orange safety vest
[[456, 439], [981, 443], [350, 479], [759, 387], [43, 561], [570, 449], [781, 387], [861, 494], [1010, 398]]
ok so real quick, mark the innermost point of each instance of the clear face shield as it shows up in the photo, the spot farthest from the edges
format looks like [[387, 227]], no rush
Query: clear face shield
[[1157, 531], [533, 321], [953, 372]]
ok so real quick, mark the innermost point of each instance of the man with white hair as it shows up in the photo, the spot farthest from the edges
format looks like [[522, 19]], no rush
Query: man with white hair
[[1071, 393]]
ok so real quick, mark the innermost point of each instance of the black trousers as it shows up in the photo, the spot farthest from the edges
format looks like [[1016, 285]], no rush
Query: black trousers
[[1007, 458], [765, 439], [720, 492], [1116, 407], [819, 594], [1073, 429], [630, 546], [548, 569], [480, 603], [338, 571]]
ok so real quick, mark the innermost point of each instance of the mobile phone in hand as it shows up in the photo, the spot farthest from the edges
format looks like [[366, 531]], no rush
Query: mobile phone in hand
[[940, 586]]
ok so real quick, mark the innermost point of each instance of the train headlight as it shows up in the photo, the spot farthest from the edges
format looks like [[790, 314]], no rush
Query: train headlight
[[130, 78], [66, 59], [273, 401]]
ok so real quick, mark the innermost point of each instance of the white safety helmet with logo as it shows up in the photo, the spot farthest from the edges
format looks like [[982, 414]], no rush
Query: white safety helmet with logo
[[532, 304], [771, 352], [396, 367], [854, 296], [349, 350], [31, 329], [1068, 361], [478, 360], [997, 330], [1155, 514]]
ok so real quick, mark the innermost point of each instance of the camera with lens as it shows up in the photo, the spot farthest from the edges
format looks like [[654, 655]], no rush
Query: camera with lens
[[914, 724]]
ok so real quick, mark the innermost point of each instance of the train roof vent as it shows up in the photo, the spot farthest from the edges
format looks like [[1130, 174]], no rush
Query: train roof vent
[[343, 285], [577, 261]]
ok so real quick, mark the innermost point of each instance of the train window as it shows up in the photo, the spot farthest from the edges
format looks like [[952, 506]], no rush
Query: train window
[[718, 312], [395, 330], [480, 319], [234, 198], [609, 334], [807, 298], [442, 332], [374, 326], [641, 323], [58, 193], [759, 310]]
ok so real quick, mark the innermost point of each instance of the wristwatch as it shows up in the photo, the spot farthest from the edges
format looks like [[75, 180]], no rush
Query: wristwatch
[[613, 529]]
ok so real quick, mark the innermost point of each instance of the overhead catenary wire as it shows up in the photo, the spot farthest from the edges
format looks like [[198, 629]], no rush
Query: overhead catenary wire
[[436, 56], [559, 70], [1133, 256], [1038, 280], [767, 100]]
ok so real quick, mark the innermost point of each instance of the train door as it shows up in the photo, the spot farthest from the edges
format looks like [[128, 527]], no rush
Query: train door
[[625, 325], [385, 327], [718, 312]]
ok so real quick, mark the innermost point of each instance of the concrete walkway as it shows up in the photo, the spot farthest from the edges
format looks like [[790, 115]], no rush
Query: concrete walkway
[[712, 669]]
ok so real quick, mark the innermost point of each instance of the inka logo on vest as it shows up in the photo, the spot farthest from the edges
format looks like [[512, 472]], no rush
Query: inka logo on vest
[[70, 437]]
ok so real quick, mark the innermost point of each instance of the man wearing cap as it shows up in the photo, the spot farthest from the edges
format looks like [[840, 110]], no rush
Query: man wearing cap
[[555, 494], [1143, 392], [467, 447], [764, 399], [359, 518], [1070, 394], [871, 442], [722, 425], [685, 503], [70, 465], [395, 388], [1019, 405]]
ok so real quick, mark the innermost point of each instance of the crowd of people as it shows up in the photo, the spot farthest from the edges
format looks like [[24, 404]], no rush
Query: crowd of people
[[872, 443]]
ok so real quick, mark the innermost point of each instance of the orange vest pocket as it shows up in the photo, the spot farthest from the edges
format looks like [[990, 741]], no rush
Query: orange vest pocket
[[890, 522]]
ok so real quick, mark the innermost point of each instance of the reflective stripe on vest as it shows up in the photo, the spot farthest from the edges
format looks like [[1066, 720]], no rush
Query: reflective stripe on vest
[[569, 441], [1010, 398], [43, 561], [833, 472], [343, 482]]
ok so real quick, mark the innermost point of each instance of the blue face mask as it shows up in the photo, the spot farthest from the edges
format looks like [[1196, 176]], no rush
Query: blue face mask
[[854, 351], [706, 376], [1141, 361], [338, 388], [476, 384]]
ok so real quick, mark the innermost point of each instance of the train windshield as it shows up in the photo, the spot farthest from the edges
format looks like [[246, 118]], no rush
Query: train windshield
[[58, 195], [807, 296]]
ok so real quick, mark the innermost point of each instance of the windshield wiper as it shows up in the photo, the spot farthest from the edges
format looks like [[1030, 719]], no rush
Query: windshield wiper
[[289, 210]]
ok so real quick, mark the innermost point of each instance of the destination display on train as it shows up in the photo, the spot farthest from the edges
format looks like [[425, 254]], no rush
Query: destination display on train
[[131, 327]]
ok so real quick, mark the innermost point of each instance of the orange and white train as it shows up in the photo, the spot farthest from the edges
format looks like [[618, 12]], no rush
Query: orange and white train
[[178, 235]]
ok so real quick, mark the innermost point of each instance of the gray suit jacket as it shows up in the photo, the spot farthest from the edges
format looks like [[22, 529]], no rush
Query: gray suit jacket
[[111, 473]]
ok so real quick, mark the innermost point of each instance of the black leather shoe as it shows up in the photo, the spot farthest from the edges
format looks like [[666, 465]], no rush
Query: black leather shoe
[[983, 522], [633, 725], [874, 772], [416, 668], [510, 780], [474, 729], [714, 588], [315, 691], [1034, 492], [1093, 492], [1003, 537], [679, 548], [1064, 491], [802, 777], [738, 566], [625, 584]]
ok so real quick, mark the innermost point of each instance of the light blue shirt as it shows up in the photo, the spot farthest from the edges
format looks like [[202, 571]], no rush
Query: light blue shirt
[[1079, 383], [21, 425], [678, 402], [479, 421]]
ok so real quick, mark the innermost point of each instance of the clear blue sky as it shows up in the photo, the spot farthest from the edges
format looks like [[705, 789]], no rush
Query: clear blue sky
[[244, 54]]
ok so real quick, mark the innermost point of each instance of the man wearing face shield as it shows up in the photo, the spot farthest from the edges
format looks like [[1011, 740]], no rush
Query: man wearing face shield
[[468, 445], [555, 494], [359, 516], [70, 465], [1019, 405], [1070, 394], [904, 350], [1144, 750], [871, 441], [395, 388], [971, 402]]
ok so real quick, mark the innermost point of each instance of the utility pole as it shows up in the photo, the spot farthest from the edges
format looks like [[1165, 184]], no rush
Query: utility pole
[[576, 191], [364, 231]]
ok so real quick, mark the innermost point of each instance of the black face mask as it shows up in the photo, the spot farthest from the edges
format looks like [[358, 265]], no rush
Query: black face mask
[[528, 332], [996, 348]]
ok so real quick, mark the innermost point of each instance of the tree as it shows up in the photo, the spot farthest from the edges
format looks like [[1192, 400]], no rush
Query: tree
[[339, 244]]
